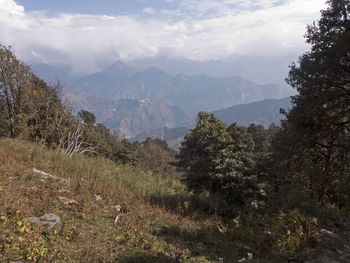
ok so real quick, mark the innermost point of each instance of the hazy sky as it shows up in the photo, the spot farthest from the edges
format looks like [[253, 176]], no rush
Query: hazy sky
[[85, 33]]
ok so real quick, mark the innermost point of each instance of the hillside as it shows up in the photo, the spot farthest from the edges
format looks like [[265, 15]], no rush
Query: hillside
[[156, 221], [263, 112], [102, 212]]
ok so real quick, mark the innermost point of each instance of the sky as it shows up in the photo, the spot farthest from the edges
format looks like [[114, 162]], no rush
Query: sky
[[86, 34]]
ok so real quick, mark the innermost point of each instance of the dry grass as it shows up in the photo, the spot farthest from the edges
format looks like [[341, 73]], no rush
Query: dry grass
[[159, 220], [148, 230]]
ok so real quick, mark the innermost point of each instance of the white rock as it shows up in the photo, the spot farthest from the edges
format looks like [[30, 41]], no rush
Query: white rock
[[47, 222], [118, 208], [97, 198]]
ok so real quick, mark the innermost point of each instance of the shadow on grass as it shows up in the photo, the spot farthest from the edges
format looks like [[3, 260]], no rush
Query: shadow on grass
[[144, 257], [188, 205], [206, 242]]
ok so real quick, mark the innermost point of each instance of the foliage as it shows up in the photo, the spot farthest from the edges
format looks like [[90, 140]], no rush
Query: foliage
[[155, 155], [87, 117], [18, 237], [293, 231], [33, 109], [316, 136], [217, 160]]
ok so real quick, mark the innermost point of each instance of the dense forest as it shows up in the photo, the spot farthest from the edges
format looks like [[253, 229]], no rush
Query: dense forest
[[283, 190]]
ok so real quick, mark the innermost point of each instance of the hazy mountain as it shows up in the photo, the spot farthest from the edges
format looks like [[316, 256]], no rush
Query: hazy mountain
[[259, 69], [191, 93], [52, 74], [263, 112], [128, 117]]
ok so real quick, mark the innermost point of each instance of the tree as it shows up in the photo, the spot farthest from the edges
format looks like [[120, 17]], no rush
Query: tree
[[3, 121], [87, 117], [320, 118], [213, 162], [155, 155], [15, 80], [33, 109]]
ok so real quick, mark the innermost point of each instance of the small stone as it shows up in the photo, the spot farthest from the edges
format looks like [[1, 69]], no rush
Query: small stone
[[250, 256], [97, 198], [118, 208], [63, 191], [67, 201]]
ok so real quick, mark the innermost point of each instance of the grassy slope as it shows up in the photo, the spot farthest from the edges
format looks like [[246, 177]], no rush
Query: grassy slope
[[157, 223]]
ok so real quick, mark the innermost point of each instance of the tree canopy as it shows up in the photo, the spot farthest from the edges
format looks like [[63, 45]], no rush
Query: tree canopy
[[319, 122]]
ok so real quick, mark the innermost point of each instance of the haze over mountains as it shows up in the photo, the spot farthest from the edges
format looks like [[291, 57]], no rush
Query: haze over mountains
[[132, 100], [265, 112]]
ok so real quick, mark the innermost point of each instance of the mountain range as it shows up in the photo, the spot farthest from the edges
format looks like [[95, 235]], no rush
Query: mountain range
[[263, 113], [128, 117], [190, 93], [133, 101]]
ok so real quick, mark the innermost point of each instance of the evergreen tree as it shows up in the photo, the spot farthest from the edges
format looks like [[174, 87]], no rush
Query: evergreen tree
[[319, 123], [216, 161]]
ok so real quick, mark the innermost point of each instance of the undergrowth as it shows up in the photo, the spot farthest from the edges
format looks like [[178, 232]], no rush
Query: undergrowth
[[158, 219]]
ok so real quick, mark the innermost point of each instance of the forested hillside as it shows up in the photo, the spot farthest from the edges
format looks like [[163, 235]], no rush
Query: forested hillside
[[265, 113], [71, 190]]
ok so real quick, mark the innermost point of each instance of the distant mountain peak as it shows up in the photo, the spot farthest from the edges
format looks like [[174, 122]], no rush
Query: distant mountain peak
[[119, 68], [154, 70], [118, 65]]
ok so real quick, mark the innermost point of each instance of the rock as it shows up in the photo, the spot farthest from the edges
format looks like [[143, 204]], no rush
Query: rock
[[97, 198], [67, 201], [325, 259], [333, 249], [250, 256], [118, 208], [201, 246], [245, 249], [330, 239], [116, 219], [46, 176], [63, 191], [47, 222]]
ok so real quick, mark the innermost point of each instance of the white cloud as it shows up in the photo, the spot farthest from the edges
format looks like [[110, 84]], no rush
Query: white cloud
[[148, 10], [202, 30]]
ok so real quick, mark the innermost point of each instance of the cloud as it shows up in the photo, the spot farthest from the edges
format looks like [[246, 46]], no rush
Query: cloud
[[148, 10], [197, 30]]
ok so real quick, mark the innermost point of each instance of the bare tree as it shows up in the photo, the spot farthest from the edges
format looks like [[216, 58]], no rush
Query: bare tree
[[72, 141]]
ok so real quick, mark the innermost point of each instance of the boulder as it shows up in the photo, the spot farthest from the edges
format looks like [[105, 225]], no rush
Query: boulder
[[47, 222], [330, 239]]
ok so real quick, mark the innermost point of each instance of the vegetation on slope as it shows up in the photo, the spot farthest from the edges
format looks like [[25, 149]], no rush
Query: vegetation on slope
[[160, 221]]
